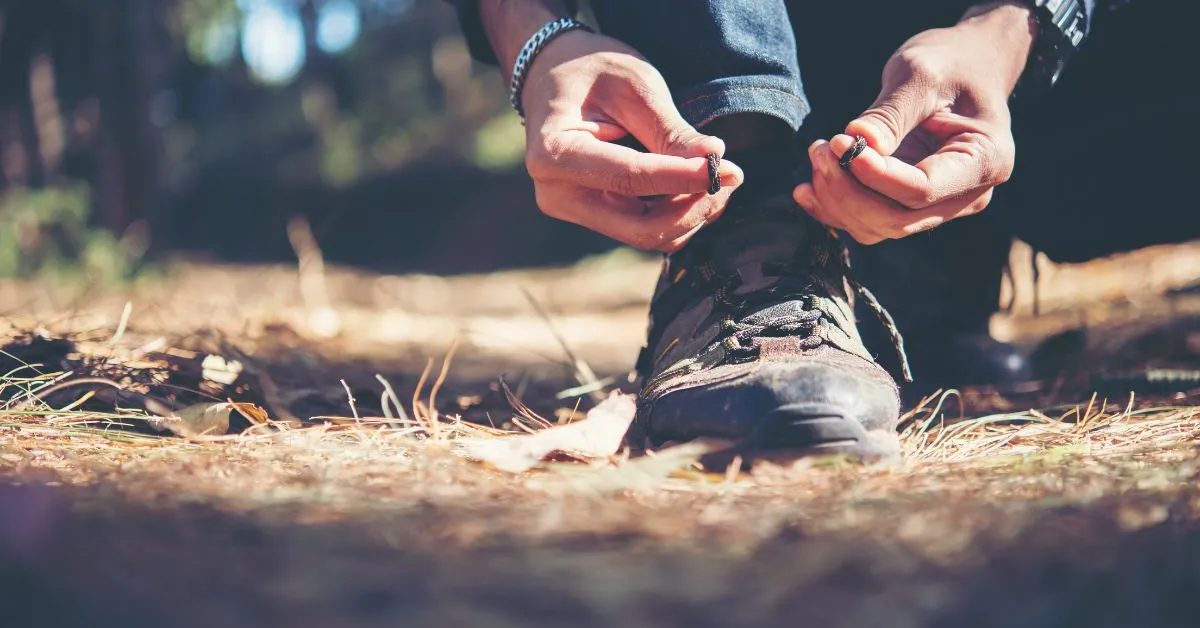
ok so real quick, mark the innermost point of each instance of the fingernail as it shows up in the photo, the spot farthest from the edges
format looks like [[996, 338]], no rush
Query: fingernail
[[815, 155], [731, 174], [803, 195], [841, 143], [871, 129]]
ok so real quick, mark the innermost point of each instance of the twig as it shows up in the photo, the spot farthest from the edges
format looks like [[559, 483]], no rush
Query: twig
[[437, 385], [120, 333], [41, 395], [350, 398], [388, 393], [583, 373], [585, 389], [519, 406], [416, 402]]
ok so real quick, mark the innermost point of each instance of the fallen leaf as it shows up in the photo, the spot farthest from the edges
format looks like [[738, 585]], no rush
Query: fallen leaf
[[597, 436], [252, 413], [639, 474], [202, 419]]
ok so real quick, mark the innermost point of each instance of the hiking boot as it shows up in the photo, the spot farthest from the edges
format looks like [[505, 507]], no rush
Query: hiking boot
[[753, 339]]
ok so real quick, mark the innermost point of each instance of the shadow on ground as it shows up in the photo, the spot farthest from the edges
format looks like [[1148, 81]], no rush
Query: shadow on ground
[[84, 557]]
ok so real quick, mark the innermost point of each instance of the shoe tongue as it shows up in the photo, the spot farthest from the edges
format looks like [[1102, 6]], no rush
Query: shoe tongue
[[747, 243], [790, 309]]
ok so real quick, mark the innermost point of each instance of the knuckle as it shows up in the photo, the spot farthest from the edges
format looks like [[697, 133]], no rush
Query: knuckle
[[981, 203], [553, 148], [536, 165], [673, 137], [543, 156], [921, 198], [864, 237], [629, 182], [547, 205], [1008, 160], [997, 157], [921, 66], [888, 115]]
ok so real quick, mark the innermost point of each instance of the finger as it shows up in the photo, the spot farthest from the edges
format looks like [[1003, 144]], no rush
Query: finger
[[904, 102], [677, 243], [965, 164], [711, 207], [650, 115], [581, 159], [870, 217], [645, 226], [805, 197]]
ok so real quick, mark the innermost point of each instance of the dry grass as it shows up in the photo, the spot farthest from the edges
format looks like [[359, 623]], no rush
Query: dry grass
[[364, 461], [367, 516], [368, 508]]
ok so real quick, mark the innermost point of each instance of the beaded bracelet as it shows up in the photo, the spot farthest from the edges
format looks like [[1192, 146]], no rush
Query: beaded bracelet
[[530, 50]]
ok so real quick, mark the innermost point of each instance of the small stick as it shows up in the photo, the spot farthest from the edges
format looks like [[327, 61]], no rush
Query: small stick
[[120, 333], [350, 398]]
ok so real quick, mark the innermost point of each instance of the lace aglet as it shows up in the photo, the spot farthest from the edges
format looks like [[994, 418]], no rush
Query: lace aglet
[[905, 369]]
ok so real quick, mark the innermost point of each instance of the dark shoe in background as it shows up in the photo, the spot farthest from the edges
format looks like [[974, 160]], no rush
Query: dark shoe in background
[[942, 288], [956, 361], [753, 339]]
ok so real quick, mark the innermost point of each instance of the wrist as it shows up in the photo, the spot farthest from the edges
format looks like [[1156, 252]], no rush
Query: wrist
[[510, 23], [1009, 26]]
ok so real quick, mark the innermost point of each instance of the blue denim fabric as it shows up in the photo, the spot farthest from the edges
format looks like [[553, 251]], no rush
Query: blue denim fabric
[[718, 57], [722, 57]]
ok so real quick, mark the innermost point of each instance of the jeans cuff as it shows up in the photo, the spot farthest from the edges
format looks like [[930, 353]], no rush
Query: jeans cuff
[[754, 94]]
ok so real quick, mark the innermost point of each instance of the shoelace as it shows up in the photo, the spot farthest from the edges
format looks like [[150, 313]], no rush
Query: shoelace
[[738, 337], [885, 319]]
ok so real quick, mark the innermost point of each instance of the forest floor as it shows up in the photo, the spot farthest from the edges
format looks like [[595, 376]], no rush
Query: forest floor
[[312, 470]]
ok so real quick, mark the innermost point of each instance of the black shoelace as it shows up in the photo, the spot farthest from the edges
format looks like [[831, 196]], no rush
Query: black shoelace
[[739, 337]]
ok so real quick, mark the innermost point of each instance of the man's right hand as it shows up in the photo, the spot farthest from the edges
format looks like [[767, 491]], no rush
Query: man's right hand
[[582, 93]]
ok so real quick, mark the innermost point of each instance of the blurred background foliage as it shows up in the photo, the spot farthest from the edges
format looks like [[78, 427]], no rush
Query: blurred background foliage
[[199, 127]]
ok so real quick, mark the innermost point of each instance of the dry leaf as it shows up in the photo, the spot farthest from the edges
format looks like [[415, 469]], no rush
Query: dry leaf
[[252, 413], [598, 435], [202, 419], [640, 474]]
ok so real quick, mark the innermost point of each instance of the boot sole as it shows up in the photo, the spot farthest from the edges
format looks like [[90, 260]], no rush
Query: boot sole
[[803, 430]]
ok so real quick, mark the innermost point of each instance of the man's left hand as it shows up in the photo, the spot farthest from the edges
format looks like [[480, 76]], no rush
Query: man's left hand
[[938, 136]]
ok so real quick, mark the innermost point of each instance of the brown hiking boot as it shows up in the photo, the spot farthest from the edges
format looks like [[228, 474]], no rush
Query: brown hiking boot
[[752, 338]]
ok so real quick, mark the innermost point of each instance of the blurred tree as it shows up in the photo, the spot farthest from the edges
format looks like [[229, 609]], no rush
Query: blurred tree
[[210, 122], [76, 78]]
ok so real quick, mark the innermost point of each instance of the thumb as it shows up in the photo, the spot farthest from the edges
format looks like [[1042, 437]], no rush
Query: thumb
[[677, 137], [895, 113], [655, 121]]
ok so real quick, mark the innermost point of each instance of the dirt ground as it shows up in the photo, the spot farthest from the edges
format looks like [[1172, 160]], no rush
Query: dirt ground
[[1043, 506]]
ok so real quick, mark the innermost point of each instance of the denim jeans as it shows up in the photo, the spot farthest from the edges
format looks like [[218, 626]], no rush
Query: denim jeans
[[719, 58], [1101, 165]]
